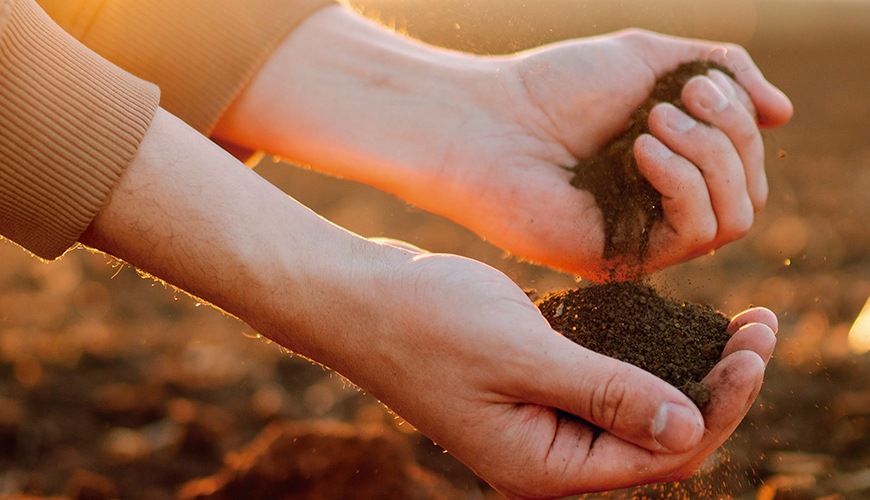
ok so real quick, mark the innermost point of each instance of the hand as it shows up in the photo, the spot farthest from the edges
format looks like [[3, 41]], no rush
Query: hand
[[464, 356], [580, 94], [483, 140]]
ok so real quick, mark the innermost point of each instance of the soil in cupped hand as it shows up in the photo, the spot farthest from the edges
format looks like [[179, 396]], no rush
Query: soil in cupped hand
[[678, 342], [629, 320]]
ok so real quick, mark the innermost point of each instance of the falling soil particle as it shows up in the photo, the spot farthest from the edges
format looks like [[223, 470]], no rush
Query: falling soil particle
[[679, 342]]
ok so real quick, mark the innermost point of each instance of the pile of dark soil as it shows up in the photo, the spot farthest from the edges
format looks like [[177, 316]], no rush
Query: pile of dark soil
[[676, 341]]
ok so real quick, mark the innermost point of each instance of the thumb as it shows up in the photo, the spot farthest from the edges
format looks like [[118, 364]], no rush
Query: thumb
[[620, 398]]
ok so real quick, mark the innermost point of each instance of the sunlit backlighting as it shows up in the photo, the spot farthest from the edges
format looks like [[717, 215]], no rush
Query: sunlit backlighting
[[859, 334]]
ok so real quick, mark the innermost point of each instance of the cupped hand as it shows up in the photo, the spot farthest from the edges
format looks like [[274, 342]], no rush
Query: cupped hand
[[466, 358], [563, 102]]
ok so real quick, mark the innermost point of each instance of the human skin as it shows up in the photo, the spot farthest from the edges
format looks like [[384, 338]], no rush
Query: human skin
[[484, 140], [448, 343]]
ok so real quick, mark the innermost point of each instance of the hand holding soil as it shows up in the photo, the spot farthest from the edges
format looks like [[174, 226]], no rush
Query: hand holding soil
[[489, 141], [630, 206], [475, 367], [707, 161], [630, 321]]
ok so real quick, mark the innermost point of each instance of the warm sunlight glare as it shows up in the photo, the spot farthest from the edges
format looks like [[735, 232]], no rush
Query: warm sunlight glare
[[859, 334]]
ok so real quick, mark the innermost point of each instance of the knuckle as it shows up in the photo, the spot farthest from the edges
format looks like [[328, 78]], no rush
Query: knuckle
[[719, 145], [759, 197], [746, 132], [702, 233], [607, 399], [740, 223]]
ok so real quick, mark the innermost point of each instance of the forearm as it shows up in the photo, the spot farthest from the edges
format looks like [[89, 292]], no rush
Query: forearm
[[188, 213], [346, 96]]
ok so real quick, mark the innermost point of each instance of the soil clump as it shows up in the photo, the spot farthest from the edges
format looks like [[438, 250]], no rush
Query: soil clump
[[678, 342]]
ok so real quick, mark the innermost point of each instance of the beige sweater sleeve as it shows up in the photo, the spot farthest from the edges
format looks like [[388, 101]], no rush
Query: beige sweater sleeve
[[70, 122], [200, 52]]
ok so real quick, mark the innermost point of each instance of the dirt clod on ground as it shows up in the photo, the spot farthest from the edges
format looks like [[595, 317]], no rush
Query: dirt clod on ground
[[321, 460]]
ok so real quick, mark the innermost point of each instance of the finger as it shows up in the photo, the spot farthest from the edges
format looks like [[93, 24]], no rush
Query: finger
[[664, 53], [734, 384], [399, 244], [612, 463], [712, 103], [711, 151], [773, 107], [733, 90], [618, 397], [755, 337], [688, 211], [754, 315]]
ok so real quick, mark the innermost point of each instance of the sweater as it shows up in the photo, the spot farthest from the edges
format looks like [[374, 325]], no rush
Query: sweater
[[80, 82]]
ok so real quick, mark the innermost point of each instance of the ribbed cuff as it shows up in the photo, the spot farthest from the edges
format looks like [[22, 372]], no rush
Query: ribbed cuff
[[70, 122], [202, 53]]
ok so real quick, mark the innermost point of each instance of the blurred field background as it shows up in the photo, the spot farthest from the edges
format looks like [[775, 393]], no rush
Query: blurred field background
[[112, 385]]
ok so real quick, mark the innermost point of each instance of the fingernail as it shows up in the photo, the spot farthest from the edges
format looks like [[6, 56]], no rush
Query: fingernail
[[658, 150], [677, 427], [723, 82], [711, 98], [679, 121]]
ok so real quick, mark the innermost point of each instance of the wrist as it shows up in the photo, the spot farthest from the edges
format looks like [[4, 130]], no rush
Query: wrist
[[186, 212], [356, 100], [329, 305]]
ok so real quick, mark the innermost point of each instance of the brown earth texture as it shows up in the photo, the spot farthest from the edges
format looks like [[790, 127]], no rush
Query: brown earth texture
[[112, 386], [632, 322]]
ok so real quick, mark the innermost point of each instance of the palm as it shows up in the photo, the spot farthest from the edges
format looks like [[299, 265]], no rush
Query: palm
[[526, 205], [520, 188]]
